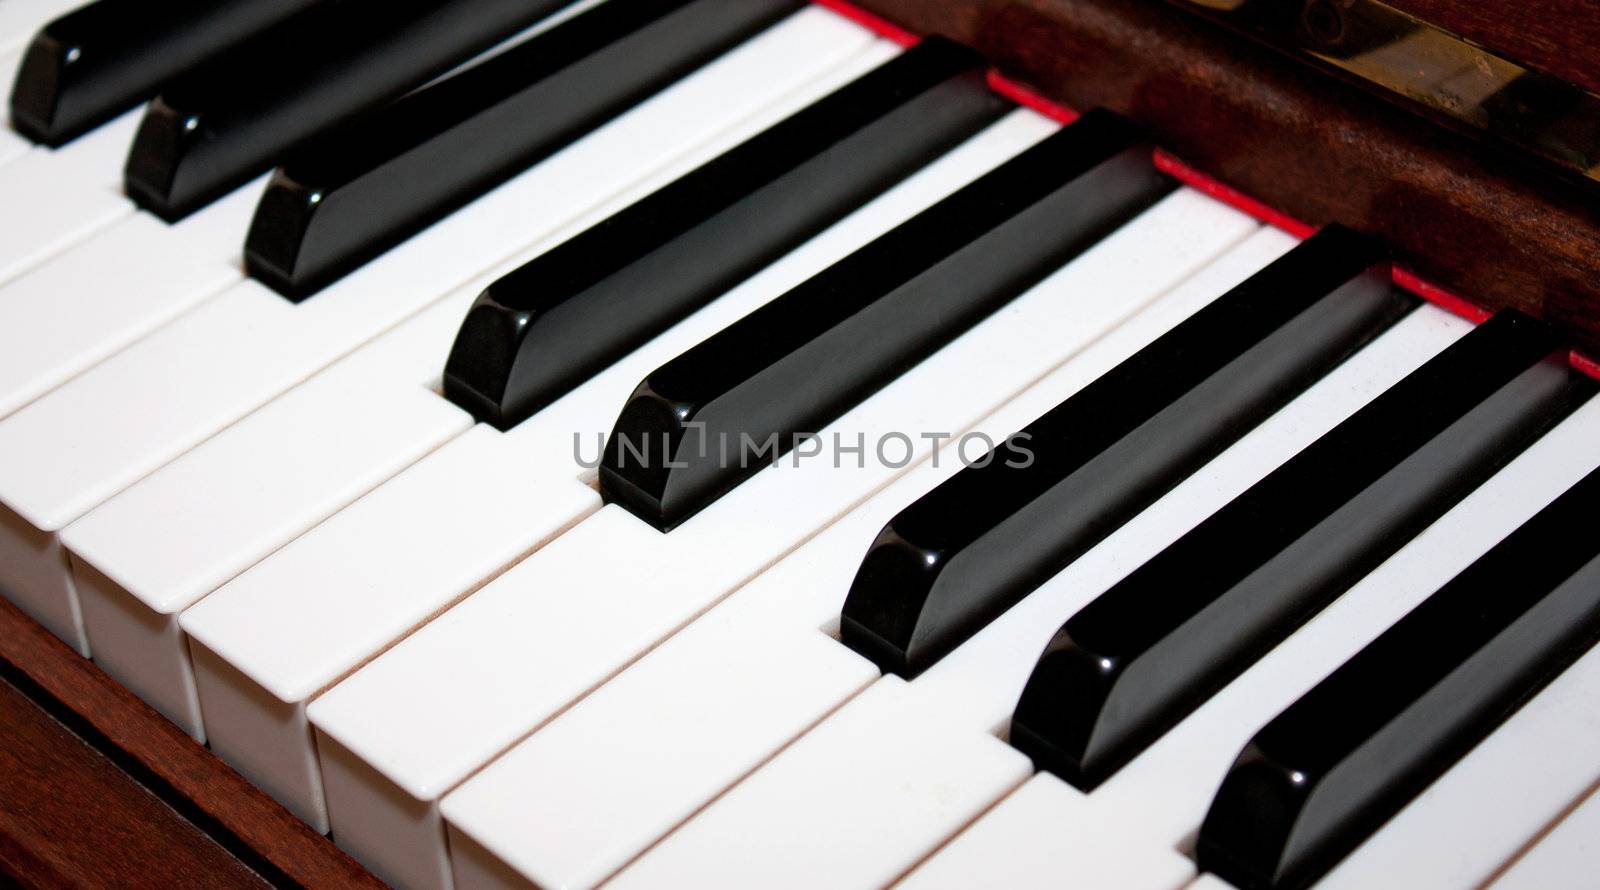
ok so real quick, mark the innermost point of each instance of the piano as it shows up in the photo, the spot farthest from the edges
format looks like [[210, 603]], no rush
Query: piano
[[1142, 444]]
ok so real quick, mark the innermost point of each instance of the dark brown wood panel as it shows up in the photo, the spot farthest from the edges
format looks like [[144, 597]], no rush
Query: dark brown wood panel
[[1559, 37], [157, 754], [1479, 223], [70, 818]]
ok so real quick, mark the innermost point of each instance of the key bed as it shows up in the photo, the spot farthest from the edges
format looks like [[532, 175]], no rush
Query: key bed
[[319, 445]]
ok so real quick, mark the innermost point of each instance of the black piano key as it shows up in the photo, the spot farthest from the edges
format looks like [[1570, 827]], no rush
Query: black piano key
[[1320, 778], [971, 548], [1158, 643], [364, 187], [793, 365], [98, 61], [227, 121], [563, 317]]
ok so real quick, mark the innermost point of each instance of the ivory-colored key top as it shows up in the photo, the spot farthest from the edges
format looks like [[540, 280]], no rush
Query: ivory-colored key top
[[1566, 856], [884, 736], [107, 291], [56, 198], [1035, 839], [21, 19], [137, 562]]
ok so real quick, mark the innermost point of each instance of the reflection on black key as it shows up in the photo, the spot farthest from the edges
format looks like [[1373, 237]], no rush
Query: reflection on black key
[[1157, 644], [358, 190], [102, 59], [566, 315], [229, 120], [971, 548], [1323, 775], [797, 363]]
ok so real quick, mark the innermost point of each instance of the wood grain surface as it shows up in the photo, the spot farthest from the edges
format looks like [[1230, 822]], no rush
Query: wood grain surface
[[143, 746], [1481, 223], [71, 818]]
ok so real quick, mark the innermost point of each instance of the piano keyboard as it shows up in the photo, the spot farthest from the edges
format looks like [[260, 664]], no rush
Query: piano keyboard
[[358, 362]]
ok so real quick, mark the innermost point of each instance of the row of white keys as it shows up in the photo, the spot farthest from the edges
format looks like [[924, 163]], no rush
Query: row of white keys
[[21, 19], [427, 713], [583, 795], [137, 562], [1566, 857], [878, 755], [303, 618], [68, 451], [1159, 799]]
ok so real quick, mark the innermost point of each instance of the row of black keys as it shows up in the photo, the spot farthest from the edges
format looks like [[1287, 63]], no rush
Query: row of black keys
[[1128, 666]]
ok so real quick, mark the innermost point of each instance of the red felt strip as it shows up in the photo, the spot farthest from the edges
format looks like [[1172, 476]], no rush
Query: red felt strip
[[876, 24], [1234, 198], [1438, 296], [1027, 98], [1586, 364]]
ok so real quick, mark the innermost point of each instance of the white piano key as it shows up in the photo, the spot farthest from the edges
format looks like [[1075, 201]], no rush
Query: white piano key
[[388, 562], [1504, 794], [423, 716], [575, 801], [1567, 857], [160, 546], [68, 451], [1160, 798], [12, 144], [112, 288], [21, 19], [584, 795], [1036, 838], [802, 838], [58, 197], [970, 693]]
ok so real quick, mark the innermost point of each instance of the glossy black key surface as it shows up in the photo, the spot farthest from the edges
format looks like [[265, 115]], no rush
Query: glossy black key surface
[[966, 551], [566, 315], [100, 60], [362, 188], [227, 121], [800, 361], [1157, 644], [1327, 772]]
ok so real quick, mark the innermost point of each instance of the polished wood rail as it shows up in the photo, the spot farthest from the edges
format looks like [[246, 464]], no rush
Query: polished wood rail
[[99, 790], [1479, 221]]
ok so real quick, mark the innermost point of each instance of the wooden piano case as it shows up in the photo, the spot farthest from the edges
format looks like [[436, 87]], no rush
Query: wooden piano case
[[96, 789]]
